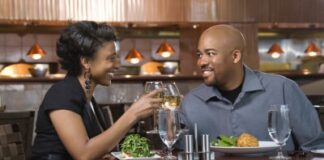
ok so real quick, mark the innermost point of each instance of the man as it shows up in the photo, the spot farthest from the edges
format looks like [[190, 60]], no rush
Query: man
[[235, 99]]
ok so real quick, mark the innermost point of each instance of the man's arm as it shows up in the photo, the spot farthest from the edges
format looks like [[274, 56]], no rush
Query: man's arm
[[305, 124]]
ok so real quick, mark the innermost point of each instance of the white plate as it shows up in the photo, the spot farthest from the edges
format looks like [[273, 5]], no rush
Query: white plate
[[120, 156], [318, 151], [264, 146]]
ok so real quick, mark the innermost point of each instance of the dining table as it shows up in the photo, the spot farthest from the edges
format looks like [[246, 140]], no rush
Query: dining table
[[296, 155]]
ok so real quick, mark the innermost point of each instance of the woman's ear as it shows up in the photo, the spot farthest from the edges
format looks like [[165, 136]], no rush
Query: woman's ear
[[85, 62], [237, 56]]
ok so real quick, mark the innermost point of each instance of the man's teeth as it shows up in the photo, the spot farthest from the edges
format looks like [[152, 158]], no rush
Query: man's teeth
[[207, 72], [111, 74]]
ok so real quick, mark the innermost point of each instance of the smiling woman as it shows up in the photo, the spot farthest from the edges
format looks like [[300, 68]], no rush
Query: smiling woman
[[70, 125]]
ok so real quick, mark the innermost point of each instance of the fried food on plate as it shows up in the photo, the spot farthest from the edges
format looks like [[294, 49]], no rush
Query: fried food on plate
[[247, 140]]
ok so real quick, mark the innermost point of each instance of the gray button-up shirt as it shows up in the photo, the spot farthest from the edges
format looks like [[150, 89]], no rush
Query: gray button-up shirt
[[216, 115]]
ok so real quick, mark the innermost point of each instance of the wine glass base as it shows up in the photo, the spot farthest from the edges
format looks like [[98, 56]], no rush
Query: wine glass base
[[152, 132], [170, 157], [280, 158]]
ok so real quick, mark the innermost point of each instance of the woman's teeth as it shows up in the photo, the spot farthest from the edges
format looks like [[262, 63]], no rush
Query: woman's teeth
[[110, 74]]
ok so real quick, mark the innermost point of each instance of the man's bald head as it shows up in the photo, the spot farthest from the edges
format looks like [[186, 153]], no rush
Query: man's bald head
[[226, 35], [220, 50]]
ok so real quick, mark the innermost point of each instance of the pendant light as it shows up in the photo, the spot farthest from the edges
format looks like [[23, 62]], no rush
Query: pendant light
[[134, 56], [275, 51], [312, 50], [36, 52], [165, 50]]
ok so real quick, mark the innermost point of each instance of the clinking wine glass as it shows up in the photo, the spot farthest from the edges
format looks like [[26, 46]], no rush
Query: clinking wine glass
[[171, 96], [169, 129], [172, 100], [279, 127], [149, 87]]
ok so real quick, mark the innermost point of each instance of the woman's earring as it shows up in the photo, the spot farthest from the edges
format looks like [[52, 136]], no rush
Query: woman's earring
[[87, 77]]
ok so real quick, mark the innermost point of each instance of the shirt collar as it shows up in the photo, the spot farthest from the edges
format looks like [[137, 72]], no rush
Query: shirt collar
[[206, 92], [251, 83]]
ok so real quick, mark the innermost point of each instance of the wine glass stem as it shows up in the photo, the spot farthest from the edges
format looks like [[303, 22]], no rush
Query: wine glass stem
[[280, 154], [155, 120], [169, 151]]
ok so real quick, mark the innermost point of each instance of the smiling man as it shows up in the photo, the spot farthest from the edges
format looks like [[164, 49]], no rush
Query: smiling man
[[235, 99]]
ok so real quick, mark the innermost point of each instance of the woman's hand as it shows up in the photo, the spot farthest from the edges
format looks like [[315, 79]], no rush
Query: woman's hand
[[146, 104], [109, 157]]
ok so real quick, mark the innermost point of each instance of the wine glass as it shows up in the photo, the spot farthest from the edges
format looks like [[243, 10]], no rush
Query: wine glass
[[171, 96], [279, 127], [172, 100], [149, 87], [2, 104], [169, 129]]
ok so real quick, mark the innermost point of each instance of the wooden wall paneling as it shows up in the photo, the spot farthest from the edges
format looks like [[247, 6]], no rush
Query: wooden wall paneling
[[285, 10], [173, 11], [231, 10], [319, 11], [200, 10], [250, 56], [188, 46], [143, 11], [257, 10], [309, 10], [97, 10]]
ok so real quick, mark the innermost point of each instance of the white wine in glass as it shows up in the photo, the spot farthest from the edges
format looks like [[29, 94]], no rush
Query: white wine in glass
[[171, 96], [171, 102], [279, 127], [149, 87]]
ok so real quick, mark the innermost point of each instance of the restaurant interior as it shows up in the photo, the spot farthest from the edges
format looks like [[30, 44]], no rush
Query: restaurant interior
[[158, 41]]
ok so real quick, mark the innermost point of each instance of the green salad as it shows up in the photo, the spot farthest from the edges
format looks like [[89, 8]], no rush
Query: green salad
[[136, 146], [224, 141]]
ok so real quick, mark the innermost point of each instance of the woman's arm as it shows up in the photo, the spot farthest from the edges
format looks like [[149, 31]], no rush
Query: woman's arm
[[72, 132]]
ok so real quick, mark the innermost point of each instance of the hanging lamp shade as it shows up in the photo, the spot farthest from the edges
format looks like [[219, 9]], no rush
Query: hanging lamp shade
[[312, 50], [165, 50], [134, 56], [36, 52], [275, 51]]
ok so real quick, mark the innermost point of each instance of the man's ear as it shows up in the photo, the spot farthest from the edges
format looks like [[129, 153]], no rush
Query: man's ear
[[85, 62], [237, 56]]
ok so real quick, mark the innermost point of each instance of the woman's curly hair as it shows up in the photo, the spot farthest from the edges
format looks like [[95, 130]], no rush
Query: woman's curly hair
[[81, 39]]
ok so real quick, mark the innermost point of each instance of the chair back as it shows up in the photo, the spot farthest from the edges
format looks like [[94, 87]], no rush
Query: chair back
[[16, 132]]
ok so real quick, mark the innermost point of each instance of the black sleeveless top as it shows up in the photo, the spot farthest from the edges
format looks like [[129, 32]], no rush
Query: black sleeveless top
[[66, 94]]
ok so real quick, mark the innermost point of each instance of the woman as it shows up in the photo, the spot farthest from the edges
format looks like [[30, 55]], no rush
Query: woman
[[68, 124]]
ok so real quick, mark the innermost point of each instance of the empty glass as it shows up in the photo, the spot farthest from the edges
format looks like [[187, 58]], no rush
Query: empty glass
[[151, 86], [279, 127], [169, 129]]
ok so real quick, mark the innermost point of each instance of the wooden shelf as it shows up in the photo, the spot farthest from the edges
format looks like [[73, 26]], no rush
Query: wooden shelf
[[123, 78], [137, 78]]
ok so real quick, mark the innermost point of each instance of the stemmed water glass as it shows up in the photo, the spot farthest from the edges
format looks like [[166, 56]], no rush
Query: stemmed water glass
[[149, 87], [279, 127], [169, 129]]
